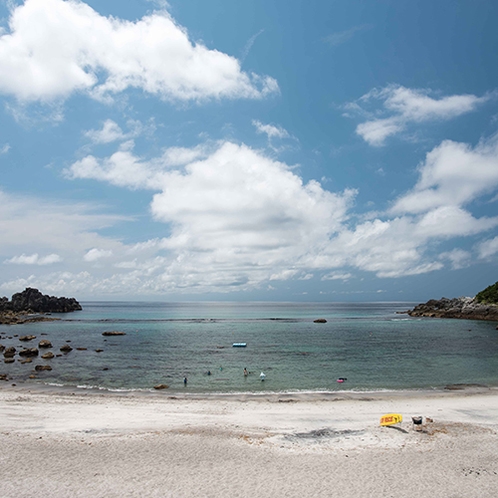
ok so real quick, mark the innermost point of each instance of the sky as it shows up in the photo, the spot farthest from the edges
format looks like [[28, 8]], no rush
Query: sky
[[319, 150]]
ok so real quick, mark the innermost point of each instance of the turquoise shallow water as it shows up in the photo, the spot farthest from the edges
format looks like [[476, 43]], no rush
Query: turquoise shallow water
[[367, 343]]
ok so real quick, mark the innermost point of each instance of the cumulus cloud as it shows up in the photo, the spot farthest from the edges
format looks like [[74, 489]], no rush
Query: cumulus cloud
[[453, 174], [402, 106], [458, 258], [488, 248], [238, 219], [231, 209], [4, 148], [112, 132], [54, 48], [95, 254], [34, 259]]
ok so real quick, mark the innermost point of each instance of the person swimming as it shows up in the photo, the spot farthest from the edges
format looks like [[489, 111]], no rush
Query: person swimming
[[246, 373], [262, 376]]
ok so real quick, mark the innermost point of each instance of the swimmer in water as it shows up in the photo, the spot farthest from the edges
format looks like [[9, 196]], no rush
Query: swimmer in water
[[246, 373]]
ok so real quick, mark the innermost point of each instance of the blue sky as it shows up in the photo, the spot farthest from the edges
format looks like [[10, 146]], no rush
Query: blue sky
[[225, 149]]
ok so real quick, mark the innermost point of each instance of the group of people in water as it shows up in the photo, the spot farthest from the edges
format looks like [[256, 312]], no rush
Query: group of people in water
[[262, 376]]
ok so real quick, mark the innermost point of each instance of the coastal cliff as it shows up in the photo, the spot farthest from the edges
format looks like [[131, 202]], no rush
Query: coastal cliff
[[31, 301], [468, 308]]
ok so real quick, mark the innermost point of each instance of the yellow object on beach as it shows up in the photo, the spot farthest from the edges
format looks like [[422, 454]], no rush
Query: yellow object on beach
[[391, 419]]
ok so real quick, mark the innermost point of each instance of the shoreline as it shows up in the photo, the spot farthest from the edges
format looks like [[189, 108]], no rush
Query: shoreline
[[319, 395]]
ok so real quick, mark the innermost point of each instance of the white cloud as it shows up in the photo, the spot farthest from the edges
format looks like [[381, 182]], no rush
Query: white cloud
[[271, 131], [404, 106], [4, 148], [237, 219], [337, 276], [34, 259], [236, 216], [458, 258], [488, 248], [110, 132], [95, 254], [453, 174], [55, 47]]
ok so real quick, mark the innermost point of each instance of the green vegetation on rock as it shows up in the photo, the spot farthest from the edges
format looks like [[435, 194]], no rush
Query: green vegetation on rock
[[489, 295]]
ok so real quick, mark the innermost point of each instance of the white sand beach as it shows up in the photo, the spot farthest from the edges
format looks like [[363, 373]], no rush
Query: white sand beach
[[63, 443]]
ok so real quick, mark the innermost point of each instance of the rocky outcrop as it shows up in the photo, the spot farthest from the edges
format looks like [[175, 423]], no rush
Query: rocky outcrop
[[24, 304], [33, 300], [461, 307]]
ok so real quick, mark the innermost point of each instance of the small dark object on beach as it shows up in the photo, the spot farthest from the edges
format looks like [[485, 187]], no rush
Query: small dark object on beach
[[113, 332], [417, 420], [320, 320]]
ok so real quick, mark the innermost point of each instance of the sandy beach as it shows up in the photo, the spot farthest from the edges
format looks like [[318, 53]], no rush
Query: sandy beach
[[74, 443]]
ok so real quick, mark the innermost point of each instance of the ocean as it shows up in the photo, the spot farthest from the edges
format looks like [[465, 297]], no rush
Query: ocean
[[368, 344]]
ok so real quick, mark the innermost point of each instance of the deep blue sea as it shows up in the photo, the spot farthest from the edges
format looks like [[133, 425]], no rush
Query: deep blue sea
[[368, 343]]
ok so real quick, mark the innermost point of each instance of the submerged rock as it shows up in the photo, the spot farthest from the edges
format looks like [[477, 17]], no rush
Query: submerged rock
[[161, 386], [9, 352], [66, 348], [29, 352], [26, 338], [113, 333], [48, 356], [41, 368], [44, 344], [320, 320]]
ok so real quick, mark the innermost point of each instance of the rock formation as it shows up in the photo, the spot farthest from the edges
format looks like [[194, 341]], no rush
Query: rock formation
[[32, 301], [461, 307]]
